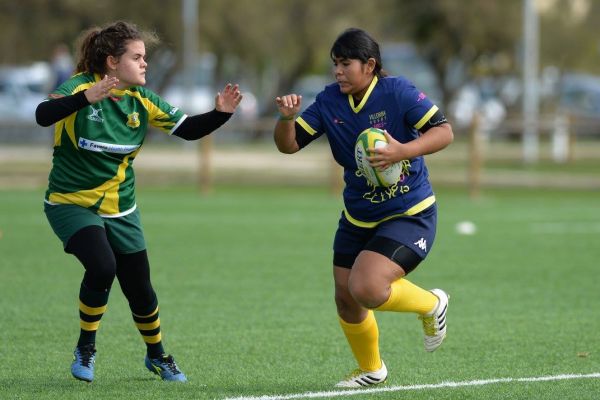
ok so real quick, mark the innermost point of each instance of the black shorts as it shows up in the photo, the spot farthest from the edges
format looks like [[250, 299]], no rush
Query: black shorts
[[405, 240]]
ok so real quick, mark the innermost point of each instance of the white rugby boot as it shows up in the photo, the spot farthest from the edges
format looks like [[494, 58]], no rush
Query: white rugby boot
[[434, 323], [359, 378]]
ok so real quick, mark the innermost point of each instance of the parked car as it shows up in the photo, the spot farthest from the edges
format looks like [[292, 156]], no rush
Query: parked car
[[22, 88], [404, 59], [477, 97], [194, 90], [310, 86], [579, 96]]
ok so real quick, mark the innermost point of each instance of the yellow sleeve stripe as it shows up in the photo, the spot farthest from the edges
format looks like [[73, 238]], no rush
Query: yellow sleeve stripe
[[152, 339], [89, 326], [426, 117], [91, 310], [306, 126], [417, 208], [148, 326], [83, 87]]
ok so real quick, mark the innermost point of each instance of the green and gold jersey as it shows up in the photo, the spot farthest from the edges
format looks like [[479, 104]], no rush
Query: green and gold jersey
[[94, 148]]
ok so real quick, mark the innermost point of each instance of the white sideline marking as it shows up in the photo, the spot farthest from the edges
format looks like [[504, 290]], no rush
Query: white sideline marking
[[479, 382]]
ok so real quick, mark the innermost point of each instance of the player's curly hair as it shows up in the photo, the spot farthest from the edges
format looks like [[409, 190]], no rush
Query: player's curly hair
[[97, 43], [356, 44]]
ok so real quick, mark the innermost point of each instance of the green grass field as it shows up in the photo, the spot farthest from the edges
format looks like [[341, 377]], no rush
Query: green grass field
[[244, 282]]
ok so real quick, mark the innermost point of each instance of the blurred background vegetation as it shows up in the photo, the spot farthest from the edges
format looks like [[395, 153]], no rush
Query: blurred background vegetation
[[466, 54], [272, 43], [269, 44]]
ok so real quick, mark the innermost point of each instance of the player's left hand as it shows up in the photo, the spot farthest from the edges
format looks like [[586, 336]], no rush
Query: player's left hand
[[383, 157], [229, 98]]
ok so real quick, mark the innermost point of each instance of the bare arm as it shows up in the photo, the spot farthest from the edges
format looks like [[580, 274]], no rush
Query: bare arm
[[285, 128], [432, 141]]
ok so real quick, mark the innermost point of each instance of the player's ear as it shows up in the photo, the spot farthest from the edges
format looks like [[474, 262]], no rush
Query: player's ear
[[370, 64], [111, 62]]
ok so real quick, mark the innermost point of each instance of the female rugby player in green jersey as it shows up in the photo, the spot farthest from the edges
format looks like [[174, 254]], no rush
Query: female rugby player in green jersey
[[101, 117], [383, 232]]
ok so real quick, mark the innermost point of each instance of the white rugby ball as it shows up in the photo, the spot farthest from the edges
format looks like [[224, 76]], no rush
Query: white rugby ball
[[373, 138]]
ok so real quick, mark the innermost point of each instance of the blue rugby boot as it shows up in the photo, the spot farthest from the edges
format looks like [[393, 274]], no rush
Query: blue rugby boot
[[165, 367], [82, 367]]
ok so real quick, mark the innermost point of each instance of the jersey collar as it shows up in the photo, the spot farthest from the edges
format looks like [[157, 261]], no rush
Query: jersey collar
[[365, 97]]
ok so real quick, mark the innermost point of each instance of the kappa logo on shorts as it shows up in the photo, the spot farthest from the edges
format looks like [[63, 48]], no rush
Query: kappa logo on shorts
[[422, 243]]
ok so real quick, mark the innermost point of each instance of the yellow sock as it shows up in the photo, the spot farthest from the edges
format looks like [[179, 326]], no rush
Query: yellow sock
[[408, 297], [364, 342]]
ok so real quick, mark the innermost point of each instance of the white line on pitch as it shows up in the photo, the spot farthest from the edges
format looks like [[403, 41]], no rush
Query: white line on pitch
[[479, 382]]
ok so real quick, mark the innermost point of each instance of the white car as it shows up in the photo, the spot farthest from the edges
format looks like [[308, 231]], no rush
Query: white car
[[22, 88], [199, 99]]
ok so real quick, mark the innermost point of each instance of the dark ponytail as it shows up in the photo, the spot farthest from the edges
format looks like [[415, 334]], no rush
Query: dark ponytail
[[357, 44], [96, 44]]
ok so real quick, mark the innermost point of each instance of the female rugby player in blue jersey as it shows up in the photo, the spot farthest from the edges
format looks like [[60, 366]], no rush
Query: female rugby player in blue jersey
[[383, 233], [101, 117]]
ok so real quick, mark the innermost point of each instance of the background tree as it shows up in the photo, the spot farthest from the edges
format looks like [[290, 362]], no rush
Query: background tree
[[270, 43]]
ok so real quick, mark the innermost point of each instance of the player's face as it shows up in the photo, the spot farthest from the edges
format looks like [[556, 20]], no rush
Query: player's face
[[131, 66], [353, 76]]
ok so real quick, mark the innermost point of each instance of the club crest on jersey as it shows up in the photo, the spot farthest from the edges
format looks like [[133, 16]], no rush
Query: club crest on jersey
[[133, 120], [95, 114]]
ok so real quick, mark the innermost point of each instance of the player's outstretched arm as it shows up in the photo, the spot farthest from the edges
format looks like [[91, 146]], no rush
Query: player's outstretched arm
[[198, 126]]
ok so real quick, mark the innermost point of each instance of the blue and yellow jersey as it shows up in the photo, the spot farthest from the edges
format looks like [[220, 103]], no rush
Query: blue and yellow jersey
[[393, 104], [94, 148]]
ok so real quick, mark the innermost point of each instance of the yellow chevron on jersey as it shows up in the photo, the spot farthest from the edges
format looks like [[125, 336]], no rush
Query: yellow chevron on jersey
[[94, 148]]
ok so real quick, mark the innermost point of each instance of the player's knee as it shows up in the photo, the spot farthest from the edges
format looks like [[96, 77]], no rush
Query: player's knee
[[342, 303], [100, 273], [367, 294], [141, 298], [345, 304]]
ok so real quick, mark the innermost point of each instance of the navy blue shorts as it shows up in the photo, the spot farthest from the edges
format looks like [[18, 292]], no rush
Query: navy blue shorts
[[405, 240]]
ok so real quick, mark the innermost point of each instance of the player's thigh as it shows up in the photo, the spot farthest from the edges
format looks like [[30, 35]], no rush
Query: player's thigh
[[349, 241], [407, 240], [125, 233], [68, 219]]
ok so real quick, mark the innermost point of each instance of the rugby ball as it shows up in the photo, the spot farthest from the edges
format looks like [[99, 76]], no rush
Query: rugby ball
[[373, 138]]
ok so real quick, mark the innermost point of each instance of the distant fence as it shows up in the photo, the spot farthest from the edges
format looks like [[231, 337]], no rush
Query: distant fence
[[244, 150], [25, 133], [561, 129]]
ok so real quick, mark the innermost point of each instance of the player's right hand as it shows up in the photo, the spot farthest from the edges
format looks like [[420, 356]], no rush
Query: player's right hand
[[289, 105], [101, 90]]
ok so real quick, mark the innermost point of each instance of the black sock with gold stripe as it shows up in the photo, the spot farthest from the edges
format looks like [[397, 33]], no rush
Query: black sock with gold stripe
[[148, 323], [92, 305]]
